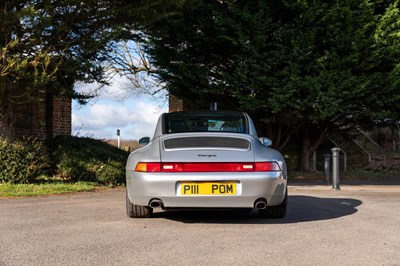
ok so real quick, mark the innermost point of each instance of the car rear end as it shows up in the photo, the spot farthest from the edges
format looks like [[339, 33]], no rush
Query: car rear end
[[206, 170]]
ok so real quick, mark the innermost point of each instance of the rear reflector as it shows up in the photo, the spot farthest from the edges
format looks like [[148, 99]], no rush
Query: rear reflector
[[207, 167]]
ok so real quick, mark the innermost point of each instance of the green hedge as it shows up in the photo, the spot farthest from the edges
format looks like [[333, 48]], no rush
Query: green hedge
[[86, 159], [22, 161], [70, 158]]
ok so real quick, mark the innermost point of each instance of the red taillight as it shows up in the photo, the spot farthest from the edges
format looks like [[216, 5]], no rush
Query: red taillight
[[207, 167], [148, 167], [266, 167]]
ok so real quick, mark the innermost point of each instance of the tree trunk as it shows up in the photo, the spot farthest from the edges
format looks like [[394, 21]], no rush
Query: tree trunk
[[303, 163], [304, 160], [278, 134], [311, 138]]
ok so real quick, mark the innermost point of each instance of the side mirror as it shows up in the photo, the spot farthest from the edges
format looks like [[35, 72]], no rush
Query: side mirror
[[265, 141], [144, 141]]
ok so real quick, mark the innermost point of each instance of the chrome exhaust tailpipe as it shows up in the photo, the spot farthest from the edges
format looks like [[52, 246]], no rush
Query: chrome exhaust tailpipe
[[260, 204], [156, 203]]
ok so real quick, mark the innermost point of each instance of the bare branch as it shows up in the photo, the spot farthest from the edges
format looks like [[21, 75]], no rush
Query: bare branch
[[130, 60]]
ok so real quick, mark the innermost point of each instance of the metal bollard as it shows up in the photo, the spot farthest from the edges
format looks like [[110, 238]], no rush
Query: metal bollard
[[327, 158], [335, 168]]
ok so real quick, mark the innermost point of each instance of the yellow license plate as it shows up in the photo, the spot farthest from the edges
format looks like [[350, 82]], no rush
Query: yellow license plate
[[208, 188]]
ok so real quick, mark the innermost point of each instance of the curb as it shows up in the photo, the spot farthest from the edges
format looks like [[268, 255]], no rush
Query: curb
[[346, 187]]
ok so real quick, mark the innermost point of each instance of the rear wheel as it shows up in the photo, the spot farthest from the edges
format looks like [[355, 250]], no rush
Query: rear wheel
[[275, 212], [137, 211]]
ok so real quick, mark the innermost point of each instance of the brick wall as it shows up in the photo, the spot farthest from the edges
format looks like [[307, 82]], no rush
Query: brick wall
[[175, 104], [31, 119], [62, 116]]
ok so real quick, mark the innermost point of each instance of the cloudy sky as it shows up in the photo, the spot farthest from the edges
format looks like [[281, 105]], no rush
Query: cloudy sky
[[116, 107]]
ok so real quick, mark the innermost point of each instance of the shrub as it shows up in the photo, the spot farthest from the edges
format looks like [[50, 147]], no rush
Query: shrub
[[72, 169], [22, 161], [111, 173], [85, 159]]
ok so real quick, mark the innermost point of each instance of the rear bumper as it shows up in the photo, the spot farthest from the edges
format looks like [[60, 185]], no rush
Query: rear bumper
[[143, 187]]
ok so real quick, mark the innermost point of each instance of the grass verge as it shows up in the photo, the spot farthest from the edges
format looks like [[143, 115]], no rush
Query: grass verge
[[43, 189]]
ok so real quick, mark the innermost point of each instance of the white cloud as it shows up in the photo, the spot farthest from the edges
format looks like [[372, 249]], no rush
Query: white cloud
[[136, 117]]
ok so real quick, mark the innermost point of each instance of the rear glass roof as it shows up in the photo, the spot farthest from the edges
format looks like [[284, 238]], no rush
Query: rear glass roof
[[205, 121]]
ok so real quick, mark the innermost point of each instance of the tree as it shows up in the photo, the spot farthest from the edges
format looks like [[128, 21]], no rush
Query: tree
[[304, 68], [128, 58], [47, 46]]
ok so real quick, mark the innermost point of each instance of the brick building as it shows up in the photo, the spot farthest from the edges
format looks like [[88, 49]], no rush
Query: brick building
[[175, 104], [49, 116]]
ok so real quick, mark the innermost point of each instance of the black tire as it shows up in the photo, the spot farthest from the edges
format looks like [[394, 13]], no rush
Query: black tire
[[275, 212], [136, 211]]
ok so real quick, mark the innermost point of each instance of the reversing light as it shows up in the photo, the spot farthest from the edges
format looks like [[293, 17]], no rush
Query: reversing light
[[207, 167], [172, 167]]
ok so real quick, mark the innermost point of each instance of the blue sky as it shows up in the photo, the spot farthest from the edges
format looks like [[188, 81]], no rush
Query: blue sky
[[116, 107]]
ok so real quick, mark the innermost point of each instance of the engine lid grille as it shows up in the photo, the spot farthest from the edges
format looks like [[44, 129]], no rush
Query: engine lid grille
[[206, 142]]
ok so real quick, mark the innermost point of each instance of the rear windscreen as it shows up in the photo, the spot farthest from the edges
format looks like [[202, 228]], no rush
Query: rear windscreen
[[179, 122]]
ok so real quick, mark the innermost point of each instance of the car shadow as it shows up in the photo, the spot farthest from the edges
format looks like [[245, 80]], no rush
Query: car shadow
[[300, 209]]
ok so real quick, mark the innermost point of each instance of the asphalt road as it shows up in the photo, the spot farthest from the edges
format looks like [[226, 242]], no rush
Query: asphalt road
[[358, 225]]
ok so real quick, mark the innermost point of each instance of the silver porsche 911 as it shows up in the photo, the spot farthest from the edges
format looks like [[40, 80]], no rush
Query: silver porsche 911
[[206, 159]]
